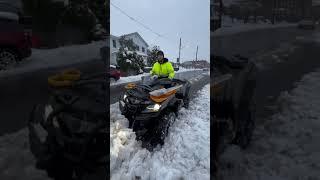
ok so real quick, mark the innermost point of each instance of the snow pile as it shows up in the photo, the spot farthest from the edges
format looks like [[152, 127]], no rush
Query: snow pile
[[185, 154], [228, 3], [127, 79], [16, 160], [62, 56], [286, 146], [231, 28]]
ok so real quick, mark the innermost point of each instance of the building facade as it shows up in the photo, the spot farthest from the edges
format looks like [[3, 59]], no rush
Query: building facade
[[142, 46], [287, 10]]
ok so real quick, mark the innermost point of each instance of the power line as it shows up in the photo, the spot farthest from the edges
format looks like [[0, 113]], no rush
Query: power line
[[135, 20]]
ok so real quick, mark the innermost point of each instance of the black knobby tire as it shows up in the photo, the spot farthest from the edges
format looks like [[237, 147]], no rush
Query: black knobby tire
[[161, 131], [8, 57], [245, 118], [186, 99], [186, 102]]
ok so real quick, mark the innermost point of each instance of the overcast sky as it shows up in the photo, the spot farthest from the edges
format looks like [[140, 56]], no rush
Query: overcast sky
[[188, 19]]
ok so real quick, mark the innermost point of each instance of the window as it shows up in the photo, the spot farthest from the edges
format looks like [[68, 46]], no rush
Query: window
[[138, 47], [114, 43], [143, 50]]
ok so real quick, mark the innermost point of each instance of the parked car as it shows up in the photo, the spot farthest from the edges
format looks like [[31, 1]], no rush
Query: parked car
[[15, 42], [307, 24], [114, 73]]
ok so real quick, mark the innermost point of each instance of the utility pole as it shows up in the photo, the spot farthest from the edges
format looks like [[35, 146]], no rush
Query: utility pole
[[197, 54], [178, 62]]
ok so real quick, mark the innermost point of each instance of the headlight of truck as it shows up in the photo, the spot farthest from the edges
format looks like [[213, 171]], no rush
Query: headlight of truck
[[154, 107]]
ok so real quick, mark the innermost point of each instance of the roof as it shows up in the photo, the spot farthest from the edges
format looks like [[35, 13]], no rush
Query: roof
[[136, 33]]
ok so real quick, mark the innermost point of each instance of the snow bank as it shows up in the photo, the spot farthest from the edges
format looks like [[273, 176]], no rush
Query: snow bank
[[62, 56], [185, 154], [16, 160], [231, 28], [127, 79], [285, 146]]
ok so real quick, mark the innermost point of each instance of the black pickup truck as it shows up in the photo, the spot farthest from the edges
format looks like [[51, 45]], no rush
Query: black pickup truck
[[233, 106]]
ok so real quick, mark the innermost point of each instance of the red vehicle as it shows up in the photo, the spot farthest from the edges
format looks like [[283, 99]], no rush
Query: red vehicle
[[114, 73], [15, 40]]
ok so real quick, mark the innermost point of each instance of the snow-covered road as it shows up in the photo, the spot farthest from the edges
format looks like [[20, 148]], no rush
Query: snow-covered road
[[16, 160], [62, 56], [285, 145], [185, 154]]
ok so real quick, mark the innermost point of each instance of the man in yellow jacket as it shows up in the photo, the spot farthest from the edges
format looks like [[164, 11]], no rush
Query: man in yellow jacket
[[162, 68]]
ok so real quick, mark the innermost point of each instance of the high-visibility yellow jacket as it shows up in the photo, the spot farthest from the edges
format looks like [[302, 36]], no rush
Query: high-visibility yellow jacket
[[163, 70]]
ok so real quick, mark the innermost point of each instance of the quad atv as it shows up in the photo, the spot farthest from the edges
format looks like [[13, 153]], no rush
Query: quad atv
[[68, 135], [152, 106], [233, 106]]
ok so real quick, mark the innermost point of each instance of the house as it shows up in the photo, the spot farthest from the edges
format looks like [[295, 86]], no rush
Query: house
[[142, 46], [289, 10]]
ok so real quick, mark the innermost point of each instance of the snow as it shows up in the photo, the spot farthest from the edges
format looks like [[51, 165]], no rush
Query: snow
[[231, 28], [285, 145], [9, 15], [315, 2], [127, 79], [62, 56], [185, 154], [16, 160]]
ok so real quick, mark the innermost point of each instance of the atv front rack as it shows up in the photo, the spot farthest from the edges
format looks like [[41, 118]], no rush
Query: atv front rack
[[73, 77]]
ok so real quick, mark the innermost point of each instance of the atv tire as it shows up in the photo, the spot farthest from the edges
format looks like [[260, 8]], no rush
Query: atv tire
[[186, 102], [161, 131], [246, 125]]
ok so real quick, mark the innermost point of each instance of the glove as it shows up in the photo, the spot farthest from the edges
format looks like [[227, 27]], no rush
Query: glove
[[154, 77]]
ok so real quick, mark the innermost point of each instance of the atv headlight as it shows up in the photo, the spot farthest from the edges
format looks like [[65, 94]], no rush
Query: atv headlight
[[154, 107]]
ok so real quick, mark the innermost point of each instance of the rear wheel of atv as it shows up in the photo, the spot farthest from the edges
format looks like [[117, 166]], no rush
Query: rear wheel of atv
[[37, 146], [246, 123]]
